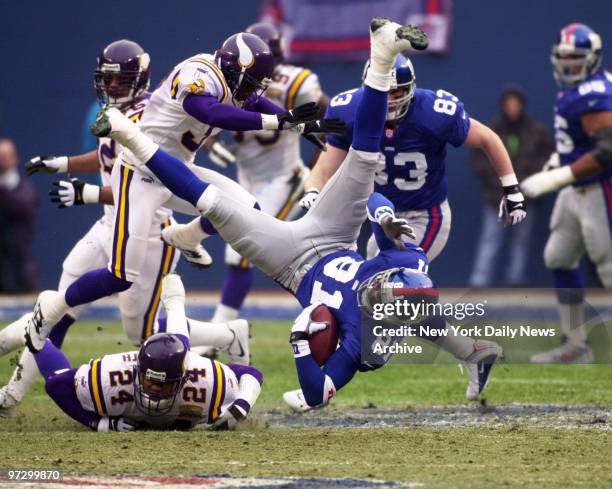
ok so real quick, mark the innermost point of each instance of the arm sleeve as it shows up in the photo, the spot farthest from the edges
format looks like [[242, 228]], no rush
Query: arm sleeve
[[208, 110], [264, 106], [379, 205]]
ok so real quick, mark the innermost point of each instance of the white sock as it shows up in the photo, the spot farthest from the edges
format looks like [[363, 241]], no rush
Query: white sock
[[572, 321], [23, 376], [193, 232], [378, 79], [224, 314], [210, 334], [55, 306], [131, 137], [459, 346], [176, 321], [12, 336], [207, 200], [249, 389]]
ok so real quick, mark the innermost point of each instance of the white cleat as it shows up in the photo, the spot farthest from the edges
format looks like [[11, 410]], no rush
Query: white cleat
[[388, 39], [8, 404], [111, 122], [479, 366], [41, 321], [238, 350], [176, 235], [566, 353], [11, 337], [296, 402], [173, 291]]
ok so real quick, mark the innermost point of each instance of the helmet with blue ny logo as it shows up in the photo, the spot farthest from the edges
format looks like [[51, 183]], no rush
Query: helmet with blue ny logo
[[403, 85], [408, 290], [576, 55]]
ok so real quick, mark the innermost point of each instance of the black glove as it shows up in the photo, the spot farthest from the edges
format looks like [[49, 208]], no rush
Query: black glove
[[302, 113], [46, 164], [314, 131], [512, 206], [74, 192]]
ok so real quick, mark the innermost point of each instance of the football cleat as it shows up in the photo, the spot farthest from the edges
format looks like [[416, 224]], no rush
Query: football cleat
[[566, 353], [11, 337], [388, 39], [238, 350], [41, 322], [296, 402], [8, 403], [173, 291], [176, 235], [479, 366]]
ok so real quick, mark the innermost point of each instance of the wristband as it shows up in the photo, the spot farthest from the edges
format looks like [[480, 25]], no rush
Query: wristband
[[508, 180], [91, 194], [269, 121], [62, 164]]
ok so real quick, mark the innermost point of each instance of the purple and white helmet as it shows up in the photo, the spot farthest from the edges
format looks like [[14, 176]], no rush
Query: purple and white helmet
[[576, 55], [247, 64], [123, 73], [272, 36], [159, 373]]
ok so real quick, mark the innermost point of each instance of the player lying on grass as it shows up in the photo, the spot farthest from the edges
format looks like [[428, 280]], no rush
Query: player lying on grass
[[161, 386], [314, 256]]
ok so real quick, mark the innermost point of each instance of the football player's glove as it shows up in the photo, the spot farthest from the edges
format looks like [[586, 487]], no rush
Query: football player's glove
[[512, 206], [303, 327], [47, 164], [309, 198], [74, 192], [552, 162], [229, 419], [315, 131], [220, 155], [116, 423], [397, 230], [286, 120]]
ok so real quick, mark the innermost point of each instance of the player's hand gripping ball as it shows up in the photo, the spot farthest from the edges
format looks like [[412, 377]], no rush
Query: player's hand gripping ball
[[316, 332]]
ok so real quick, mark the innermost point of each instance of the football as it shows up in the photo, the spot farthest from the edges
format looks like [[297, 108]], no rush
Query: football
[[324, 343]]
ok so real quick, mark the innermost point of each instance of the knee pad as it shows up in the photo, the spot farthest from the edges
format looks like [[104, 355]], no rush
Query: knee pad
[[557, 258]]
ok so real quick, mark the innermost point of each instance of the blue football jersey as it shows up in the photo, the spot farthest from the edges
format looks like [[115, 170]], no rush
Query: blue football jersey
[[593, 95], [414, 173], [335, 279]]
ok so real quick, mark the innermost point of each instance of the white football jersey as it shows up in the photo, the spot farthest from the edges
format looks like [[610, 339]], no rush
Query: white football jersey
[[164, 119], [108, 151], [262, 155], [105, 386]]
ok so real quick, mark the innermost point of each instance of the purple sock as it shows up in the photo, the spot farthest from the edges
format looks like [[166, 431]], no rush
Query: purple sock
[[58, 333], [207, 227], [93, 286], [61, 389], [50, 359], [236, 286]]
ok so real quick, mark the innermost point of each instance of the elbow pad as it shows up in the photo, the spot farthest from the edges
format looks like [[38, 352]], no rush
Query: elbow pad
[[602, 140]]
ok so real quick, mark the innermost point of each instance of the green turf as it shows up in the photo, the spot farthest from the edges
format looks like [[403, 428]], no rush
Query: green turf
[[42, 437]]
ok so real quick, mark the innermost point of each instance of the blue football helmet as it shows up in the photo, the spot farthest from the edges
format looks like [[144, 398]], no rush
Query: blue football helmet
[[396, 285], [403, 85], [159, 373], [576, 55]]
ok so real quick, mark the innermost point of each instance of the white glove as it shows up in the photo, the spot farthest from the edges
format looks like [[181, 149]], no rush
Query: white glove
[[309, 198], [74, 192], [397, 230], [547, 181], [512, 208], [552, 162], [303, 327], [229, 419], [47, 164], [220, 155], [116, 423]]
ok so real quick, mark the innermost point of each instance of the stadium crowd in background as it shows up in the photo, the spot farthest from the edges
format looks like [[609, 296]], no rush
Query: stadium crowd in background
[[529, 145], [18, 203]]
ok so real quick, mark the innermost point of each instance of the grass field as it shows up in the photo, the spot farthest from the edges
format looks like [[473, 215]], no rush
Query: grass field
[[507, 454]]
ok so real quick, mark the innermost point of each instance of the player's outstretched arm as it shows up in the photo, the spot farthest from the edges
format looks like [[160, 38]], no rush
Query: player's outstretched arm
[[86, 163], [389, 231], [512, 206], [318, 385], [68, 193], [599, 126]]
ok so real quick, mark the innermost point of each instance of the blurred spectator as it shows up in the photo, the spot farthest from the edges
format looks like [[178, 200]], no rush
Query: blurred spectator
[[18, 202], [529, 145]]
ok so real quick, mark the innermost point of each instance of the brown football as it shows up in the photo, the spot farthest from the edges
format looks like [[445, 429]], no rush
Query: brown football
[[324, 343]]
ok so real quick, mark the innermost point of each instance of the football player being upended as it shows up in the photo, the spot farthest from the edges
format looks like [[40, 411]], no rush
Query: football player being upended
[[582, 217], [314, 256], [162, 386]]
